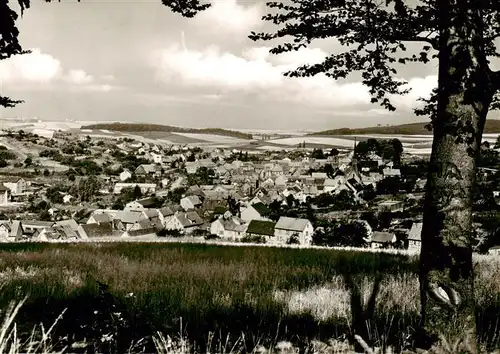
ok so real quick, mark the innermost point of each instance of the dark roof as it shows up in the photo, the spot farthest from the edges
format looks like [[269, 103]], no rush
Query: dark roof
[[147, 202], [71, 223], [261, 208], [3, 188], [259, 227], [220, 210], [166, 211]]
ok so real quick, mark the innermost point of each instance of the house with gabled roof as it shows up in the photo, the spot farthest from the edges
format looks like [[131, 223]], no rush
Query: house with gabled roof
[[257, 211], [261, 228], [128, 220], [230, 228], [381, 239], [287, 227], [16, 230], [94, 230], [190, 202], [141, 204], [185, 222], [415, 236], [144, 170], [101, 218]]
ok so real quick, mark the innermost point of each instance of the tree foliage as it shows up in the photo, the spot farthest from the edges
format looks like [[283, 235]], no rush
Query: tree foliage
[[374, 35]]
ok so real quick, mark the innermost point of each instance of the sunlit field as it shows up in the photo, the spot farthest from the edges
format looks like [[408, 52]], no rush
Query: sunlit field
[[214, 294]]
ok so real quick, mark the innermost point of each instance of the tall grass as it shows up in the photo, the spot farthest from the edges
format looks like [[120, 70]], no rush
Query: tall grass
[[222, 294]]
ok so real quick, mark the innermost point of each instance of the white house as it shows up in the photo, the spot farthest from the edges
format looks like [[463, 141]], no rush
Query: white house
[[125, 175], [157, 158], [414, 236], [287, 227], [67, 198], [232, 228], [18, 187], [190, 202], [4, 195], [184, 222]]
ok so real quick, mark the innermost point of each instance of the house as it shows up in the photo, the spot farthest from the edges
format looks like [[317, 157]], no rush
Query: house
[[391, 172], [16, 230], [153, 215], [382, 239], [100, 219], [4, 195], [67, 198], [86, 231], [338, 184], [392, 206], [18, 187], [145, 187], [288, 227], [190, 202], [68, 224], [144, 170], [5, 231], [32, 228], [232, 228], [261, 228], [165, 214], [128, 220], [141, 204], [184, 222], [415, 236], [157, 158], [192, 167], [125, 175], [257, 211]]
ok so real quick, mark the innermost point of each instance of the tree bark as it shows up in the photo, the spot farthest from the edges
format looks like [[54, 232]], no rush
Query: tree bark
[[465, 92]]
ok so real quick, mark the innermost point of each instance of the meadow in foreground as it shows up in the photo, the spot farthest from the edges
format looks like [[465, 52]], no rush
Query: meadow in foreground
[[118, 296]]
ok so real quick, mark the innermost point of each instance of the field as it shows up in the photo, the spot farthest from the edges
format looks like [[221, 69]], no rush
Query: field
[[218, 293]]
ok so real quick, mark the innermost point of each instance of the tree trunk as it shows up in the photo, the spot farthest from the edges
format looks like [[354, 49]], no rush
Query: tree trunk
[[464, 95]]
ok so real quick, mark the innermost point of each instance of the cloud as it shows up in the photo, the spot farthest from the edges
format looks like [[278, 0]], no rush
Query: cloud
[[255, 71], [34, 67], [79, 77], [40, 70], [228, 16]]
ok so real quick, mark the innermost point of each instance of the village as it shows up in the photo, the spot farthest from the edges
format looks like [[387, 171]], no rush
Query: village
[[81, 188]]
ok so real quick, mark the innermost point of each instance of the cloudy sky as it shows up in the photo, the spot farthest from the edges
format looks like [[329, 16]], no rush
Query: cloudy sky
[[136, 61]]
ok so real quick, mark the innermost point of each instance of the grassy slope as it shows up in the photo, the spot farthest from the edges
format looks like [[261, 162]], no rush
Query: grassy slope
[[218, 289], [136, 128], [492, 126]]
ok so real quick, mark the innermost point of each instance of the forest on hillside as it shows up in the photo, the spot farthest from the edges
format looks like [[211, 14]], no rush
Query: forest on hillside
[[137, 127]]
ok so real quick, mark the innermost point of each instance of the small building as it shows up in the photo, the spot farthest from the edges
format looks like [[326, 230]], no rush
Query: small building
[[94, 230], [257, 211], [261, 228], [392, 206], [382, 239], [141, 204], [4, 195], [415, 236], [190, 202], [229, 228], [125, 175], [184, 222], [288, 227]]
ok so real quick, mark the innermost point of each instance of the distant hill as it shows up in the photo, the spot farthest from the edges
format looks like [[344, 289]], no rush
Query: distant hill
[[137, 128], [492, 127]]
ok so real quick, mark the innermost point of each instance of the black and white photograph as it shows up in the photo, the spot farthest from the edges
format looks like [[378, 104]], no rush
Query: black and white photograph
[[250, 176]]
